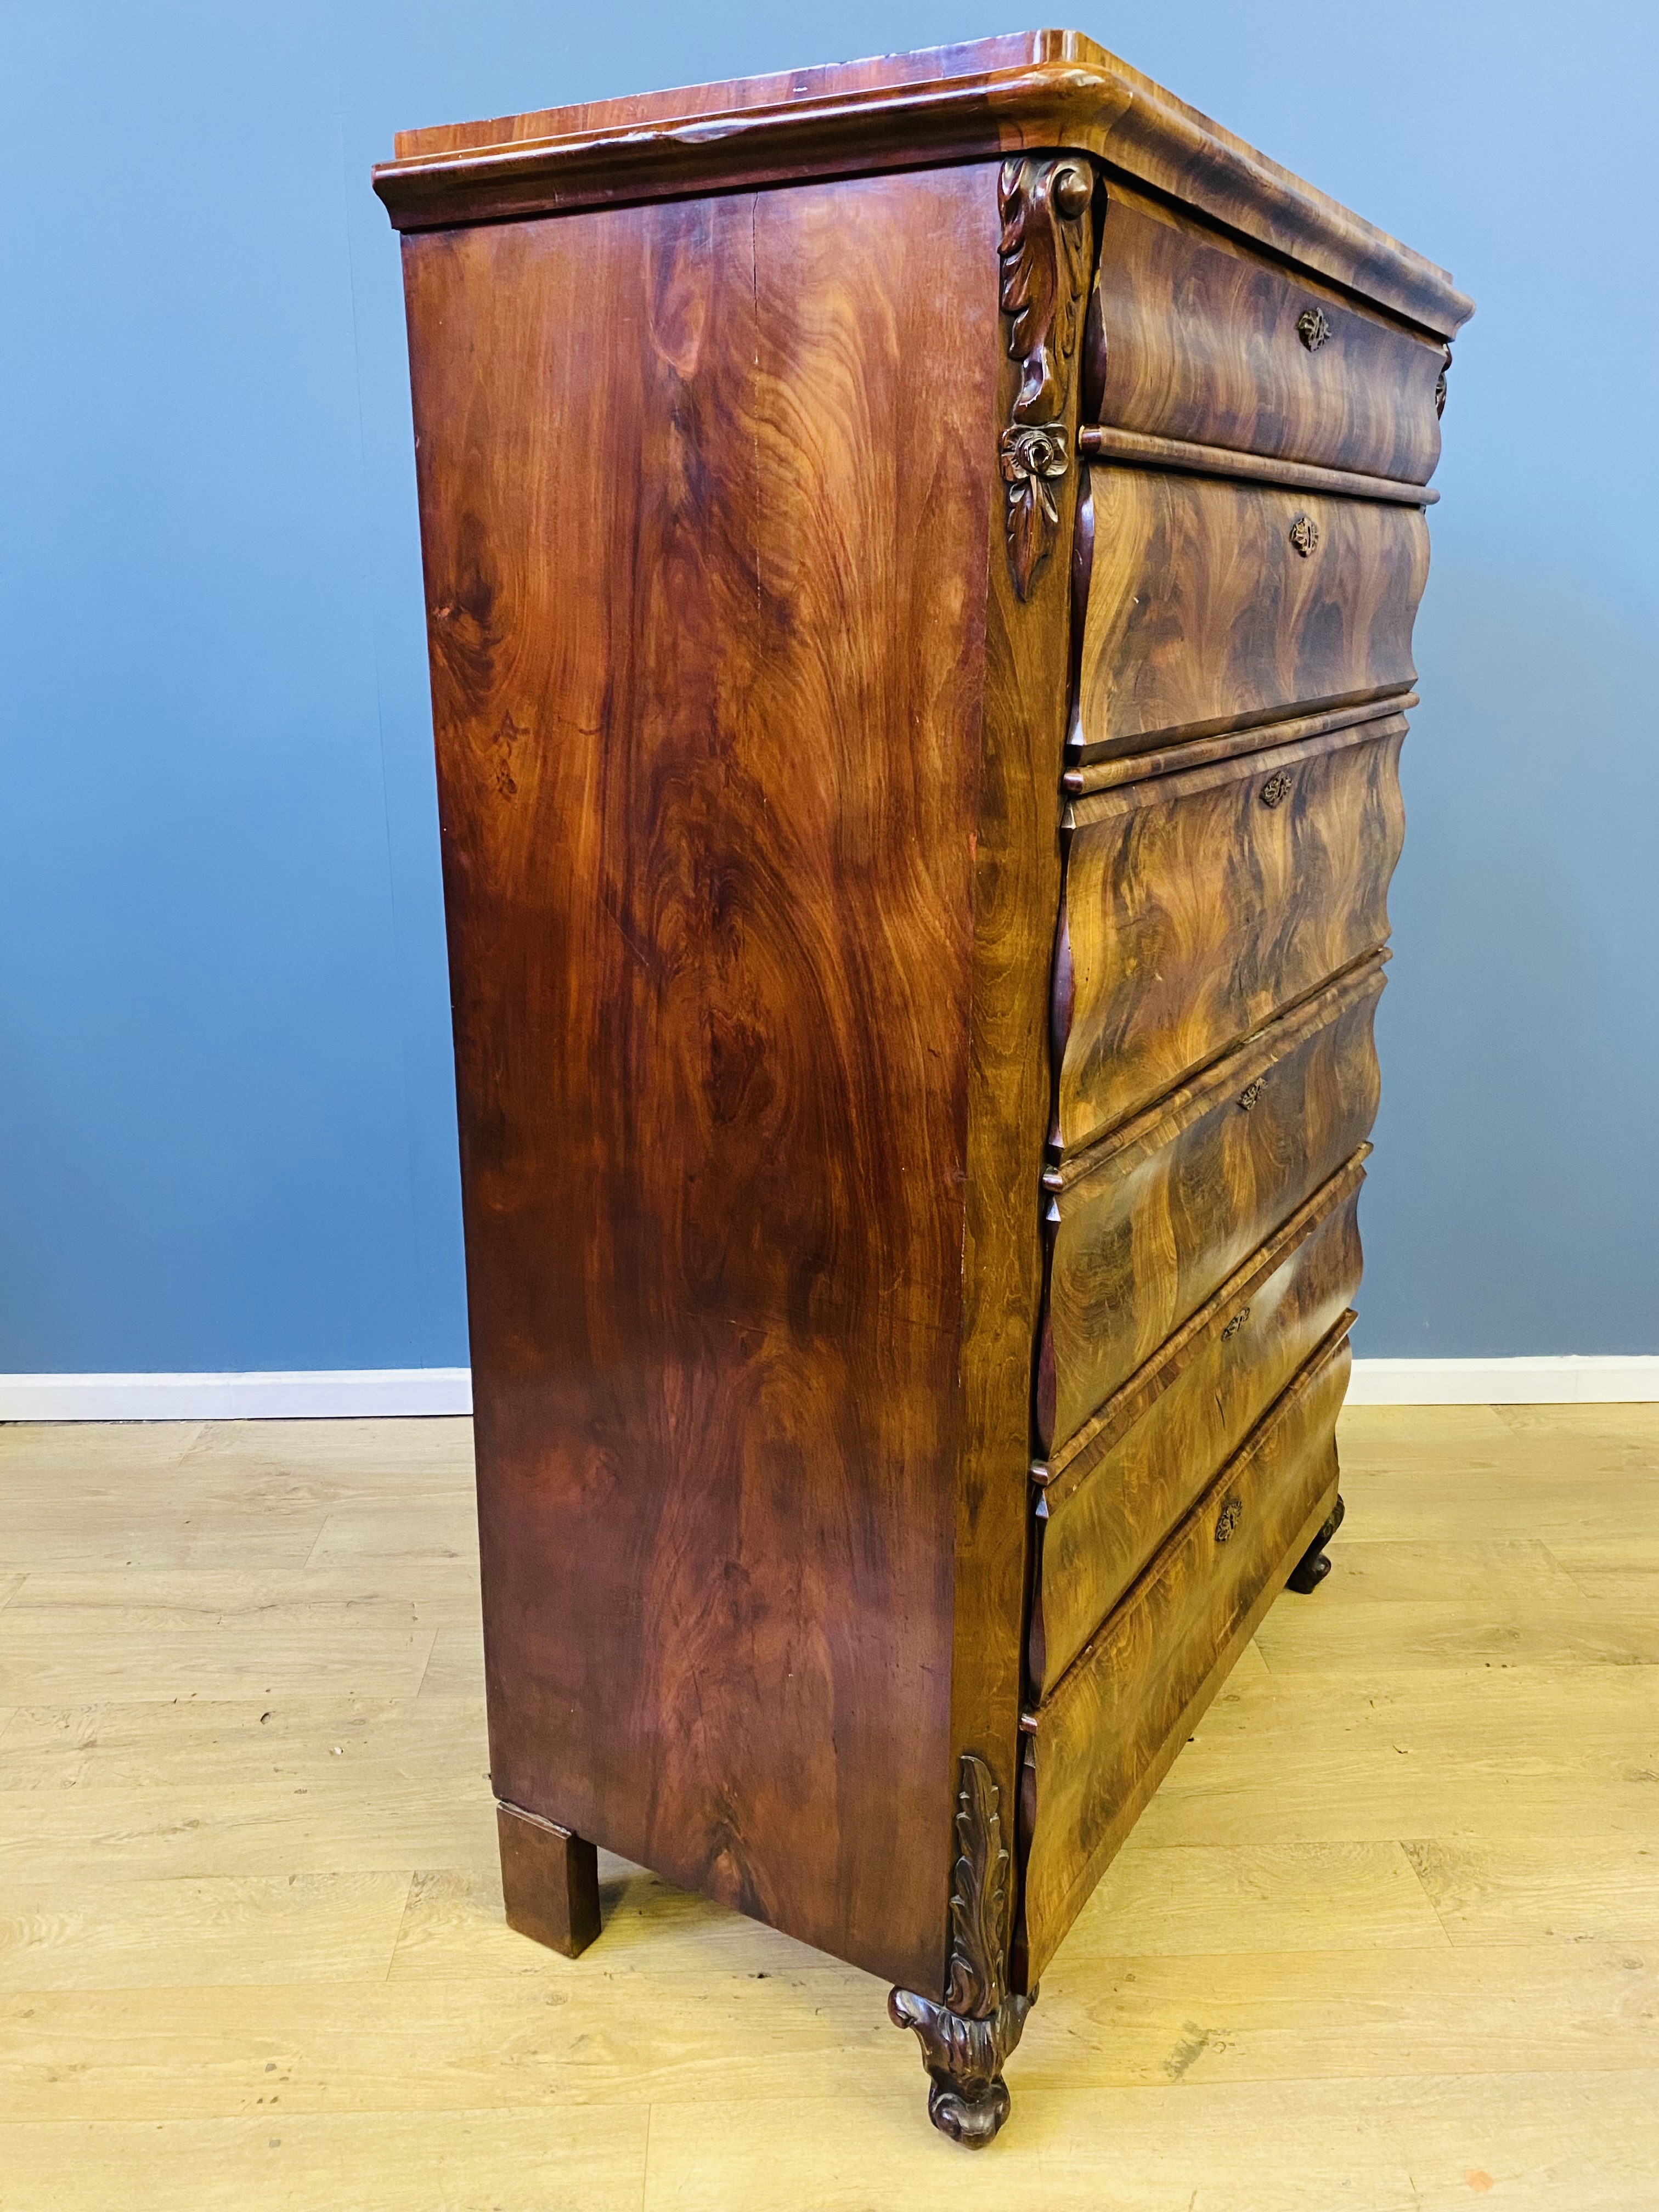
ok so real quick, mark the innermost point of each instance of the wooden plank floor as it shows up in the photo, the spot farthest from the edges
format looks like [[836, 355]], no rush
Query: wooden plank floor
[[1388, 1937]]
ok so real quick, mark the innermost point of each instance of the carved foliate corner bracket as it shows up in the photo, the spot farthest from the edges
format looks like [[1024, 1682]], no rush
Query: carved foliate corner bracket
[[966, 2039], [1044, 253]]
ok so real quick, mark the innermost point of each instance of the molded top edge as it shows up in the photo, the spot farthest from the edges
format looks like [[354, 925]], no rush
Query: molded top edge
[[978, 100]]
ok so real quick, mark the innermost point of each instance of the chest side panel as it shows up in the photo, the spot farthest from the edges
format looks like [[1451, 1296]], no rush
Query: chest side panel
[[705, 493]]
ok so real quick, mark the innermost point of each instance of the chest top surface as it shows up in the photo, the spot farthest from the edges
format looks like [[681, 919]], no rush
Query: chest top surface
[[986, 98]]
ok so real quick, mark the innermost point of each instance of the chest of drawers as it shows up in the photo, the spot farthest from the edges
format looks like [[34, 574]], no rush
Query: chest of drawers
[[920, 559]]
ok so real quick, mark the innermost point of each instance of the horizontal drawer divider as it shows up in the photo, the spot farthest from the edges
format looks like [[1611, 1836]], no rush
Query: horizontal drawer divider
[[1030, 1721], [1098, 441], [1063, 1473], [1203, 752], [1234, 1068], [1115, 800]]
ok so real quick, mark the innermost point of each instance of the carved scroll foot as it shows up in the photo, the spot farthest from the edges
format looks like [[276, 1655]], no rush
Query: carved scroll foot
[[1311, 1569], [969, 2099], [966, 2037]]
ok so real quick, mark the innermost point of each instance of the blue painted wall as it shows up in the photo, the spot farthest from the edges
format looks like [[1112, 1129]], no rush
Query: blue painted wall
[[225, 1129]]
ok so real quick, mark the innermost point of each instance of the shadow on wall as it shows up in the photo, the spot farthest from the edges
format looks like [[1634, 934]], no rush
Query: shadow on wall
[[1520, 1043]]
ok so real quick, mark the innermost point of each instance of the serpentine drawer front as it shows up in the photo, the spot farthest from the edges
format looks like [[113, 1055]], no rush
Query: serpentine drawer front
[[920, 561], [1203, 342], [1198, 906], [1213, 604], [1142, 1229], [1136, 1468], [1104, 1736]]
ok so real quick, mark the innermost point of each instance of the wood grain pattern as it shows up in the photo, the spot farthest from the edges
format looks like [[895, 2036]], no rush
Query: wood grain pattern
[[1201, 752], [819, 739], [1146, 1227], [1163, 1436], [1202, 616], [1104, 1736], [1195, 337], [1048, 89], [1101, 441], [1017, 881], [1199, 905], [707, 708], [549, 1882]]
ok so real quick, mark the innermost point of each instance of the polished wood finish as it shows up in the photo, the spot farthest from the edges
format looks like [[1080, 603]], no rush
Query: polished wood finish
[[1105, 1737], [709, 787], [1144, 1228], [1199, 905], [1200, 752], [1100, 442], [549, 1882], [1194, 337], [920, 561], [992, 97], [1162, 1436], [1203, 615]]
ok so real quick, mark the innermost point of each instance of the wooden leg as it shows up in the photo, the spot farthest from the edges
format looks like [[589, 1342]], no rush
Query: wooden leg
[[550, 1881], [966, 2036], [1311, 1569]]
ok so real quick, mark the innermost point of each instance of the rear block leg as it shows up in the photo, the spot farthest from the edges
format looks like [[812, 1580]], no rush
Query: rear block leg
[[550, 1881]]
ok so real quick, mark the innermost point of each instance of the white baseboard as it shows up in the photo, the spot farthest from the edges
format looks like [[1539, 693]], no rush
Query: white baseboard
[[345, 1393], [1541, 1379], [319, 1395]]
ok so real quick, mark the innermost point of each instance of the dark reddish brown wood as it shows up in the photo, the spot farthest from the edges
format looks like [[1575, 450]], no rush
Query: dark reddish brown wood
[[798, 973], [549, 1882], [1036, 89], [706, 573], [1016, 876]]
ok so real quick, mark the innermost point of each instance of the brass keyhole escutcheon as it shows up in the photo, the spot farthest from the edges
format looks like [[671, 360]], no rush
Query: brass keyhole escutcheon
[[1248, 1097], [1312, 328], [1227, 1520], [1238, 1319], [1276, 789], [1304, 536]]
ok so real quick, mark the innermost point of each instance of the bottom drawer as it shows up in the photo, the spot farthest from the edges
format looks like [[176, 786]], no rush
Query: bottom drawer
[[1097, 1748]]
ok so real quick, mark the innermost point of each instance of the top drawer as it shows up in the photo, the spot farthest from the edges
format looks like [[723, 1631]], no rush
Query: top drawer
[[1196, 338]]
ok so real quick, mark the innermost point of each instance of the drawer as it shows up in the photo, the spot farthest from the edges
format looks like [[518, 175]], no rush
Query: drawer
[[1192, 336], [1141, 1231], [1195, 906], [1135, 1470], [1098, 1747], [1203, 615]]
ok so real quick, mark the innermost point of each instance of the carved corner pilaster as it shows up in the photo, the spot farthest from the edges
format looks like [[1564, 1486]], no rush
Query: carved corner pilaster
[[966, 2039], [1044, 202]]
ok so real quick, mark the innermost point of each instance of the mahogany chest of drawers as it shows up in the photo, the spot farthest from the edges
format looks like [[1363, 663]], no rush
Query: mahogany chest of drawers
[[920, 559]]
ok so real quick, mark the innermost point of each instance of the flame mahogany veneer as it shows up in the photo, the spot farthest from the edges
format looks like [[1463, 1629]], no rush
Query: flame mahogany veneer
[[920, 565]]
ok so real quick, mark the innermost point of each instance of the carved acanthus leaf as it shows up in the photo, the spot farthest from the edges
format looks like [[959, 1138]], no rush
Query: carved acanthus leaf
[[1044, 253], [966, 2038]]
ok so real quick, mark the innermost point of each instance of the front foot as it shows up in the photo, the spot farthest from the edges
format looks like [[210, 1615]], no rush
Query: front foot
[[966, 2036], [1311, 1569], [969, 2099]]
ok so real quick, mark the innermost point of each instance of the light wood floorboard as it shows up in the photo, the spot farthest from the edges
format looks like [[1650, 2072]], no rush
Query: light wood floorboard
[[1388, 1937]]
